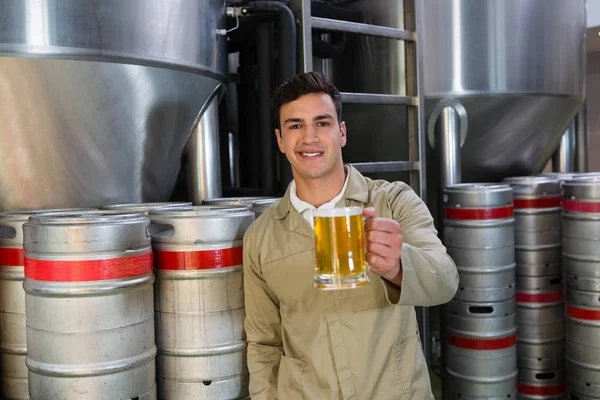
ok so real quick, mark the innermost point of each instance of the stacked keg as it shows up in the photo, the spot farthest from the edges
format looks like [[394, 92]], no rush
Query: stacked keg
[[581, 262], [540, 300], [257, 204], [199, 301], [89, 306], [481, 319], [13, 343]]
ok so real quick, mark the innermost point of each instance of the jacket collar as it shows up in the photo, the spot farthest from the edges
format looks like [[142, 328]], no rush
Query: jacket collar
[[357, 190]]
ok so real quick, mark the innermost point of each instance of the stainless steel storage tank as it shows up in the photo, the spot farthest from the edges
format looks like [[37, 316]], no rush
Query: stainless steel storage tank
[[99, 98], [516, 66]]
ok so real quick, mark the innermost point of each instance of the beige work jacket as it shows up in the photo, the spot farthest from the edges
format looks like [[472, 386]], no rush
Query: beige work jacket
[[361, 343]]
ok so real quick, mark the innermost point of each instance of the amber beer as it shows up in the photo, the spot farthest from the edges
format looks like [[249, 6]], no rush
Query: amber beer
[[340, 248]]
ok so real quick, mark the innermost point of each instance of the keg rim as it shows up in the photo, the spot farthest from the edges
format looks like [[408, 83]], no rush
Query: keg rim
[[235, 200], [591, 180], [86, 217], [263, 202], [199, 211], [145, 207], [24, 215], [478, 187], [533, 185]]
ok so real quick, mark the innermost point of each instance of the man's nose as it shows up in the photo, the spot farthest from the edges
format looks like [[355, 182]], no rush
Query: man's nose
[[310, 135]]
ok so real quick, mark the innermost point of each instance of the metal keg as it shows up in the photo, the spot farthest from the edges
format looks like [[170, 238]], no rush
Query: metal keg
[[537, 212], [89, 304], [481, 352], [145, 207], [544, 261], [541, 323], [583, 344], [200, 302], [479, 236], [581, 233], [260, 206], [541, 385], [13, 342]]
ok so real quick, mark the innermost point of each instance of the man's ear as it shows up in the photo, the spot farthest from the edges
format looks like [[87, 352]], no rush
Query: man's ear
[[343, 137], [279, 140]]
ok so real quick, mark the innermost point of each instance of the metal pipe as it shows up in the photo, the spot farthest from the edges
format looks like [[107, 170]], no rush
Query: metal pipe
[[448, 147], [266, 134], [286, 27], [204, 172], [563, 159], [582, 140], [234, 162]]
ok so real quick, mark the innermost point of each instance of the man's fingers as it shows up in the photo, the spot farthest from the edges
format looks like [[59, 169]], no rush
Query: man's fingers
[[381, 250], [384, 238], [369, 212], [383, 225]]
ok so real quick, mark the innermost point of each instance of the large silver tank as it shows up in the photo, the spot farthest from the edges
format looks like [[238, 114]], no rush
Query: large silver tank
[[517, 67], [99, 97]]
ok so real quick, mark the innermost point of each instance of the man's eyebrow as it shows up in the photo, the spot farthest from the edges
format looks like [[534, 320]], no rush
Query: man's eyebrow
[[322, 117], [293, 120]]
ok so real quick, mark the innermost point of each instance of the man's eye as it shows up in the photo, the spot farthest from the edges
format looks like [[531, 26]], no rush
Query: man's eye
[[323, 124], [295, 126]]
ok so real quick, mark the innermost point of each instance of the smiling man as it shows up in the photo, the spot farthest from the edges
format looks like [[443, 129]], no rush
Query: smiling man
[[363, 343]]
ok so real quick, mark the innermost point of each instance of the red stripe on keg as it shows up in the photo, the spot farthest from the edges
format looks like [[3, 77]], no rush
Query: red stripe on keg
[[479, 213], [482, 344], [196, 260], [545, 202], [12, 257], [88, 270], [581, 206], [541, 390], [539, 297], [581, 313]]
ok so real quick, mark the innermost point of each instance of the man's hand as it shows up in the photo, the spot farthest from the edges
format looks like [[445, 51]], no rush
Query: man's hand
[[384, 246]]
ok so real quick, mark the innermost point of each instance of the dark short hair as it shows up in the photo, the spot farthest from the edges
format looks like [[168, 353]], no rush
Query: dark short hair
[[300, 85]]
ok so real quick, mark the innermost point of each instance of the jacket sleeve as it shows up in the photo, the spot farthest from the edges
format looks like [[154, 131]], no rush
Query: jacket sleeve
[[263, 332], [429, 275]]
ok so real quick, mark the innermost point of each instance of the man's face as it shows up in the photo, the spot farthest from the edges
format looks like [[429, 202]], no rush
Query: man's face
[[310, 136]]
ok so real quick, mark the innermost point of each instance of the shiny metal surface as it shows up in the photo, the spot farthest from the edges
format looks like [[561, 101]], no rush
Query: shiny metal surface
[[483, 249], [583, 353], [582, 140], [520, 80], [448, 143], [563, 159], [516, 66], [540, 322], [200, 309], [204, 169], [580, 236], [542, 385], [98, 99], [13, 341], [478, 373], [90, 338], [145, 207]]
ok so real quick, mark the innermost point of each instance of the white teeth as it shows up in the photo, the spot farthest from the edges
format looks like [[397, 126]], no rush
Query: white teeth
[[310, 154]]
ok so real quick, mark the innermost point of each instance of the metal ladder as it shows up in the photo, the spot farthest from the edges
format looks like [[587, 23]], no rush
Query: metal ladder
[[415, 102], [416, 133]]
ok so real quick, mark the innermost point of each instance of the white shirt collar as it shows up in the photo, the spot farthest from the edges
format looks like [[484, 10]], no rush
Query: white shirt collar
[[306, 209]]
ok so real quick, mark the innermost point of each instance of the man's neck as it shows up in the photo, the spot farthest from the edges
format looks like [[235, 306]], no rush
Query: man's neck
[[320, 191]]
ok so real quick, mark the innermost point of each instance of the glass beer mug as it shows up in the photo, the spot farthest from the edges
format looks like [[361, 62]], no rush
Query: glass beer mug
[[340, 249]]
